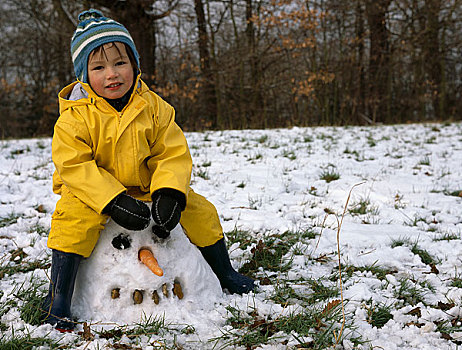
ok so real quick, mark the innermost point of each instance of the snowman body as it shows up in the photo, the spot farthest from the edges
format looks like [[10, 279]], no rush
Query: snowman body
[[113, 285]]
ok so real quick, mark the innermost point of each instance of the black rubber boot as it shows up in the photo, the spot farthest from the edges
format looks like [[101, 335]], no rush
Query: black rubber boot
[[57, 305], [217, 257]]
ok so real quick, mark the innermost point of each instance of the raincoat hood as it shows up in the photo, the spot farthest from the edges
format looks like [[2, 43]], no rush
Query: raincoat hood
[[80, 94]]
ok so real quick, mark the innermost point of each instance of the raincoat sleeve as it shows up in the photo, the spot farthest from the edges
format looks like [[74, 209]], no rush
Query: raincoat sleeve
[[73, 159], [170, 163]]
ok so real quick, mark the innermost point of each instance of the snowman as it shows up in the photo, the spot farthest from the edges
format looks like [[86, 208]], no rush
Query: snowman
[[135, 274], [138, 269]]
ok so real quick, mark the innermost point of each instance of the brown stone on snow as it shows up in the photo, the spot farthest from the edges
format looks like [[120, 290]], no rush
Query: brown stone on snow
[[155, 297], [138, 296], [115, 293], [165, 290], [177, 290]]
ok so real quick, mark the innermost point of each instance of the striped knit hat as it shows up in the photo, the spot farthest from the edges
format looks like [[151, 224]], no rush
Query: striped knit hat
[[93, 31]]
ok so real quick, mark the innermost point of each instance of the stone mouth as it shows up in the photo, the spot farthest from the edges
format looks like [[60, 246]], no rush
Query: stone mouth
[[139, 295]]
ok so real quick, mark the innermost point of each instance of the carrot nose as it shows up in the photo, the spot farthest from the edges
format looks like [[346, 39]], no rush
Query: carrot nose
[[148, 259]]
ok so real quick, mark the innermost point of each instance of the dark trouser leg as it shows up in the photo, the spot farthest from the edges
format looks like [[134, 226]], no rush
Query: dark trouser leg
[[217, 257], [57, 304]]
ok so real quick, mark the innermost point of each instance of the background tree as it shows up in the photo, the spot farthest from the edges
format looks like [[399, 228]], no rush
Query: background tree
[[139, 16], [379, 61], [33, 65], [249, 64], [207, 100]]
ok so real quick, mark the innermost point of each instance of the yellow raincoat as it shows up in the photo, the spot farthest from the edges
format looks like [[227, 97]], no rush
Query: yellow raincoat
[[99, 153]]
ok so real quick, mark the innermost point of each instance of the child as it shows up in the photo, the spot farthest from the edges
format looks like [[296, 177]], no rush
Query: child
[[115, 146]]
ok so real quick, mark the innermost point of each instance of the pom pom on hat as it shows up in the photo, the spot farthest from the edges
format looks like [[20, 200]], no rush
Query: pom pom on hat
[[93, 31], [92, 13]]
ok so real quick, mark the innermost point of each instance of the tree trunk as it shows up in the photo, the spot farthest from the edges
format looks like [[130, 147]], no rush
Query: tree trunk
[[433, 58], [142, 29], [379, 60], [207, 98], [360, 96], [252, 64]]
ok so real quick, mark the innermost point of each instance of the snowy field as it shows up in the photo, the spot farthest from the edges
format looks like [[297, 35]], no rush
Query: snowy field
[[281, 196]]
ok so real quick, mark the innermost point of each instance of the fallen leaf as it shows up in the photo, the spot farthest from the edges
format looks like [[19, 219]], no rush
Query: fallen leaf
[[415, 312], [332, 305], [434, 269], [87, 334], [445, 306]]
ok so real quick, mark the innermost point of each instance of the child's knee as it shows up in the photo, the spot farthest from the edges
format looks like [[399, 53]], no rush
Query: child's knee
[[200, 221], [75, 227]]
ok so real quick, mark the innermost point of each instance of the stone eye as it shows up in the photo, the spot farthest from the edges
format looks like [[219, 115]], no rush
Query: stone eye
[[121, 241]]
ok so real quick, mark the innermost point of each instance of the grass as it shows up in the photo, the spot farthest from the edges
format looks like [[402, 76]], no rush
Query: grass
[[321, 291], [255, 202], [401, 241], [415, 221], [456, 281], [308, 233], [255, 157], [447, 236], [250, 329], [10, 219], [241, 185], [149, 325], [431, 140], [363, 206], [31, 298], [424, 161], [244, 238], [330, 174], [41, 230], [379, 272], [267, 254], [27, 342], [447, 327], [202, 173], [41, 145], [424, 255], [284, 293], [18, 152], [408, 292], [262, 139], [289, 154], [379, 315], [22, 267], [399, 201], [28, 298], [360, 207], [455, 193]]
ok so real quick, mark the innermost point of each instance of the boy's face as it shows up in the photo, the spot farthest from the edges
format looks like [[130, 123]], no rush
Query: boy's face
[[110, 71]]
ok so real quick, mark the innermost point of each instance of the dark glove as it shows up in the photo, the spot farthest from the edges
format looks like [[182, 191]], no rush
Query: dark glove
[[129, 212], [167, 205], [160, 232]]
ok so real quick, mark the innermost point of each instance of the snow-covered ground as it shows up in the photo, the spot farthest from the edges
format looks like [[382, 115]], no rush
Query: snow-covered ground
[[400, 238]]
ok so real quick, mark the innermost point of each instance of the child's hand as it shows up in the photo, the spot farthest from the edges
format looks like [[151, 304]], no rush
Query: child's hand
[[166, 211], [160, 232], [129, 212]]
